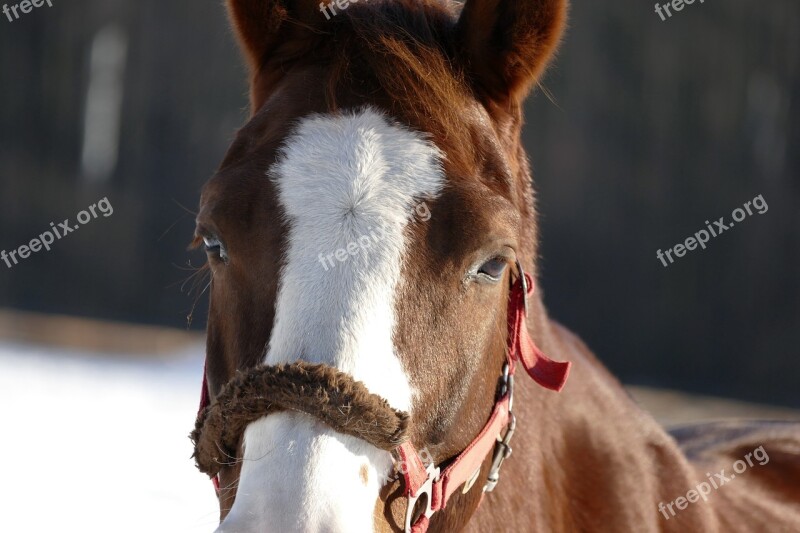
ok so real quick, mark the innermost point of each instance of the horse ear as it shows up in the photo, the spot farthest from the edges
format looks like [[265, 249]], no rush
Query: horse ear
[[263, 25], [508, 43]]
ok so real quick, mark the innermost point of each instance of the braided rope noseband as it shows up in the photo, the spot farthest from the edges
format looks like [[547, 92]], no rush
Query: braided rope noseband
[[321, 391]]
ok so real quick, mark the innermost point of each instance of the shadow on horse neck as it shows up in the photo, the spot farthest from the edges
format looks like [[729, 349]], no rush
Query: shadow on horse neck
[[362, 122]]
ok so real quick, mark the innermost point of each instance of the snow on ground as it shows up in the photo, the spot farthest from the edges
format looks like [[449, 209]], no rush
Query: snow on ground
[[99, 444]]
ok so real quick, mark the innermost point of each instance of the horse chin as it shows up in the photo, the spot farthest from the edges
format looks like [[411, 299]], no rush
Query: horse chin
[[299, 475]]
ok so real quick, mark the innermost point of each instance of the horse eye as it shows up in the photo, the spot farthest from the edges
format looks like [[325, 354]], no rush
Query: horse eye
[[493, 268], [214, 247]]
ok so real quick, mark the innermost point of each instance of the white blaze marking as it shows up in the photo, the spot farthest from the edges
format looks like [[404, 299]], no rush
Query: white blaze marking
[[340, 179]]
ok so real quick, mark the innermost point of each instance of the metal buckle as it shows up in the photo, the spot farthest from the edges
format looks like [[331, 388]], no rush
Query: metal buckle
[[521, 274], [508, 386], [427, 490], [502, 450]]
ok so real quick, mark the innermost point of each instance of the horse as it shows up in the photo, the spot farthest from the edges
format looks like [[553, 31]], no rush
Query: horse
[[372, 240]]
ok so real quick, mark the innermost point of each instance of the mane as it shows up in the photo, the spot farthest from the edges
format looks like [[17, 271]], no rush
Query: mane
[[401, 52]]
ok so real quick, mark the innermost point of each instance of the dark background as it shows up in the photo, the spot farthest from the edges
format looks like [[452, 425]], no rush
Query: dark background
[[650, 129]]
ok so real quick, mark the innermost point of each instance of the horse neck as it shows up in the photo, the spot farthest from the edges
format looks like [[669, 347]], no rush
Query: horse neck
[[588, 452]]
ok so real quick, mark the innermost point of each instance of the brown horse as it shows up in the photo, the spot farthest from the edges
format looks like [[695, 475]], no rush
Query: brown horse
[[370, 220]]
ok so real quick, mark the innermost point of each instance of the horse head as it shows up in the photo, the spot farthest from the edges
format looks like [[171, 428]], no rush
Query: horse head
[[370, 224]]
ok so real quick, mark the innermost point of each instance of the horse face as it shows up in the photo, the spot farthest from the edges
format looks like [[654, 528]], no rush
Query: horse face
[[366, 218]]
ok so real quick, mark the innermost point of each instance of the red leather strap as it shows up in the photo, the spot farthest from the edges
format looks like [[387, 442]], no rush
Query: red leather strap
[[421, 526], [471, 459], [544, 371], [462, 468], [412, 468]]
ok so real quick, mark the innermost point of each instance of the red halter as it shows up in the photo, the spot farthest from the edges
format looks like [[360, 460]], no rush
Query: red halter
[[436, 485]]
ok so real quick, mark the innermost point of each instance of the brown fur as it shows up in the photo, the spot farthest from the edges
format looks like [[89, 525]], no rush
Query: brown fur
[[587, 459]]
